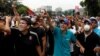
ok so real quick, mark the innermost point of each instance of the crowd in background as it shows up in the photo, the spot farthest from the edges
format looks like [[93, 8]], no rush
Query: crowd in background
[[44, 35]]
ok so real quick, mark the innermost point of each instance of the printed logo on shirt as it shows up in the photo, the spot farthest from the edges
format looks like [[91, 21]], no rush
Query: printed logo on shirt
[[67, 39], [30, 38]]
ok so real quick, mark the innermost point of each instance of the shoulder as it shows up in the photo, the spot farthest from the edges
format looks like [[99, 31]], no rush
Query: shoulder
[[80, 35], [94, 34], [33, 33], [56, 28], [73, 31], [13, 30], [70, 32], [35, 36], [96, 29]]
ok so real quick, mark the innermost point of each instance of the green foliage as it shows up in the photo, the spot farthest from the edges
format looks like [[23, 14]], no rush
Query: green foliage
[[65, 12], [91, 6], [82, 3], [22, 9], [6, 7]]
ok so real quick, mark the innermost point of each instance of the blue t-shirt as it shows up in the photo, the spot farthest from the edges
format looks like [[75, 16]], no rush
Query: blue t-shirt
[[62, 42], [97, 31]]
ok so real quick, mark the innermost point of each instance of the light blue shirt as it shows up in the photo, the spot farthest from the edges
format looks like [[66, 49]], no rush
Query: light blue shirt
[[97, 31], [99, 23], [62, 42]]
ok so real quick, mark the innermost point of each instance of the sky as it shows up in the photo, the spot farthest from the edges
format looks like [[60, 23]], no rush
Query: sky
[[64, 4]]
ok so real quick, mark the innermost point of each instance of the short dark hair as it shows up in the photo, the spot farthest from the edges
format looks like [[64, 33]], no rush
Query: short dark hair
[[28, 20]]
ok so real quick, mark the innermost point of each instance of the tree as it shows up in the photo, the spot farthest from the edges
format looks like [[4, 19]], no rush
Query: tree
[[65, 12], [82, 3], [6, 7], [22, 9], [91, 6]]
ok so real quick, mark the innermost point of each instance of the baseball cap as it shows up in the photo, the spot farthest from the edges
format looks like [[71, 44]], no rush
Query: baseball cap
[[93, 19], [65, 21], [87, 21]]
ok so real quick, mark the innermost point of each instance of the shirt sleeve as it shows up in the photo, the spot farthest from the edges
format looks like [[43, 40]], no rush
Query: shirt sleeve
[[36, 40], [43, 32], [73, 37], [97, 31], [56, 30], [97, 39]]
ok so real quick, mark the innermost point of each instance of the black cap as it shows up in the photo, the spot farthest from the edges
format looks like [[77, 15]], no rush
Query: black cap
[[65, 21], [94, 20], [87, 21]]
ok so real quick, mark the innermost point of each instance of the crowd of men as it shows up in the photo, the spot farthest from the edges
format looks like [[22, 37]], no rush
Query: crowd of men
[[44, 35]]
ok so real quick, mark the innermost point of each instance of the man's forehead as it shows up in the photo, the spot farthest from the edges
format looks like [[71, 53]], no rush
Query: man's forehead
[[23, 21]]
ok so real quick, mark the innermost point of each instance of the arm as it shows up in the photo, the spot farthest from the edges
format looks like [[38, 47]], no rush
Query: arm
[[39, 50], [52, 24], [97, 49], [44, 44], [78, 43], [14, 9], [17, 17], [37, 44], [73, 38], [82, 49], [7, 25]]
